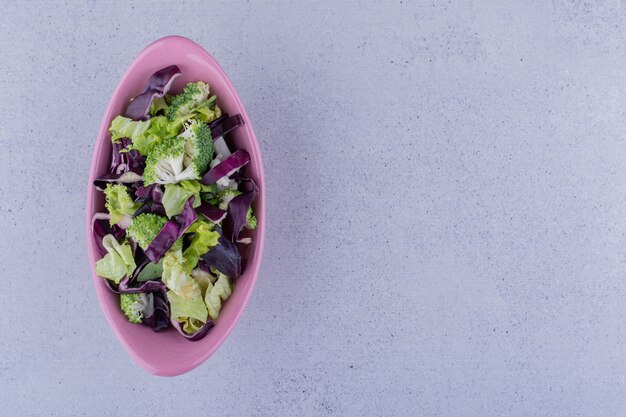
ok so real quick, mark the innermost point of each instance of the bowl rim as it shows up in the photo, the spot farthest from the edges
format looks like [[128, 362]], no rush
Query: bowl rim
[[252, 268]]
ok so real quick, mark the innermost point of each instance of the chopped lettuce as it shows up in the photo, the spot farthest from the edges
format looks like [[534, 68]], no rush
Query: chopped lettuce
[[158, 104], [123, 127], [190, 325], [185, 308], [176, 195], [204, 238], [203, 278], [119, 203], [144, 135], [215, 294], [151, 271], [176, 278], [118, 262], [208, 111], [158, 130]]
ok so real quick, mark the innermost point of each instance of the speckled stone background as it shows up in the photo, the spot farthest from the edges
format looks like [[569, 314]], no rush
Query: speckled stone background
[[446, 195]]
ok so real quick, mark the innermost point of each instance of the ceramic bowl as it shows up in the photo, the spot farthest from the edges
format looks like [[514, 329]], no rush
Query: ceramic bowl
[[167, 353]]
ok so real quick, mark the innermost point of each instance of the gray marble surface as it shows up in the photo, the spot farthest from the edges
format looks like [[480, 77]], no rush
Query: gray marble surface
[[446, 209]]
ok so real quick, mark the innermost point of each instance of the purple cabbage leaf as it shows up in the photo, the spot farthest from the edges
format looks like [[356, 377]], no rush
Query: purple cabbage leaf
[[158, 85]]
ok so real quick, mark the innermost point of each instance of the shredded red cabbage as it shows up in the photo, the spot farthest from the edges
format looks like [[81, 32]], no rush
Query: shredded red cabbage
[[225, 124], [158, 85], [160, 318], [171, 232], [152, 197], [238, 210], [227, 167], [214, 214], [146, 286], [224, 257], [101, 227], [126, 167]]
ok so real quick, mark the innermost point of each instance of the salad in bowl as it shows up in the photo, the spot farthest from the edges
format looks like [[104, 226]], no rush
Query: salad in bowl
[[178, 213]]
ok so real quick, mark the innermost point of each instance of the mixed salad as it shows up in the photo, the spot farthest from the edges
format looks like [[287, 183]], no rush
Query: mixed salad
[[178, 208]]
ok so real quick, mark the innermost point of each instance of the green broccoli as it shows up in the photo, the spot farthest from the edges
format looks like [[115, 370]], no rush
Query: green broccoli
[[136, 306], [145, 227], [185, 157], [250, 219], [226, 195], [184, 103]]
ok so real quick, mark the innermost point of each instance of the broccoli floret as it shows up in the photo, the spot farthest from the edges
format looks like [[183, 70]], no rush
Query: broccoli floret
[[226, 195], [136, 306], [250, 219], [184, 103], [198, 146], [145, 227], [185, 157]]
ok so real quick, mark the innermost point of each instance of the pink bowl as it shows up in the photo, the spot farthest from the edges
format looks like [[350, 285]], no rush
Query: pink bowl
[[167, 353]]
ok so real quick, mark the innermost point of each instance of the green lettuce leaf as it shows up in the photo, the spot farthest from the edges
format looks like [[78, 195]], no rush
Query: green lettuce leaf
[[203, 279], [175, 276], [208, 111], [158, 130], [123, 127], [158, 104], [190, 325], [119, 203], [151, 271], [215, 294], [118, 262], [204, 238], [176, 195], [183, 308], [144, 135]]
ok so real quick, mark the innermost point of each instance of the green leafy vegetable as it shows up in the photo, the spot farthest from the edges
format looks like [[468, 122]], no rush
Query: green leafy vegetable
[[203, 279], [151, 271], [158, 130], [144, 135], [158, 104], [176, 195], [123, 127], [119, 203], [204, 238], [118, 262], [190, 325], [176, 278], [208, 111], [185, 308], [215, 294]]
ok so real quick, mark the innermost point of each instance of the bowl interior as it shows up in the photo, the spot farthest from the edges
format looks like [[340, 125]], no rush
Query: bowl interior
[[167, 353]]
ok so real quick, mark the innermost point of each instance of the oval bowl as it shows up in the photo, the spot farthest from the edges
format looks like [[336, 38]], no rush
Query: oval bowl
[[167, 353]]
